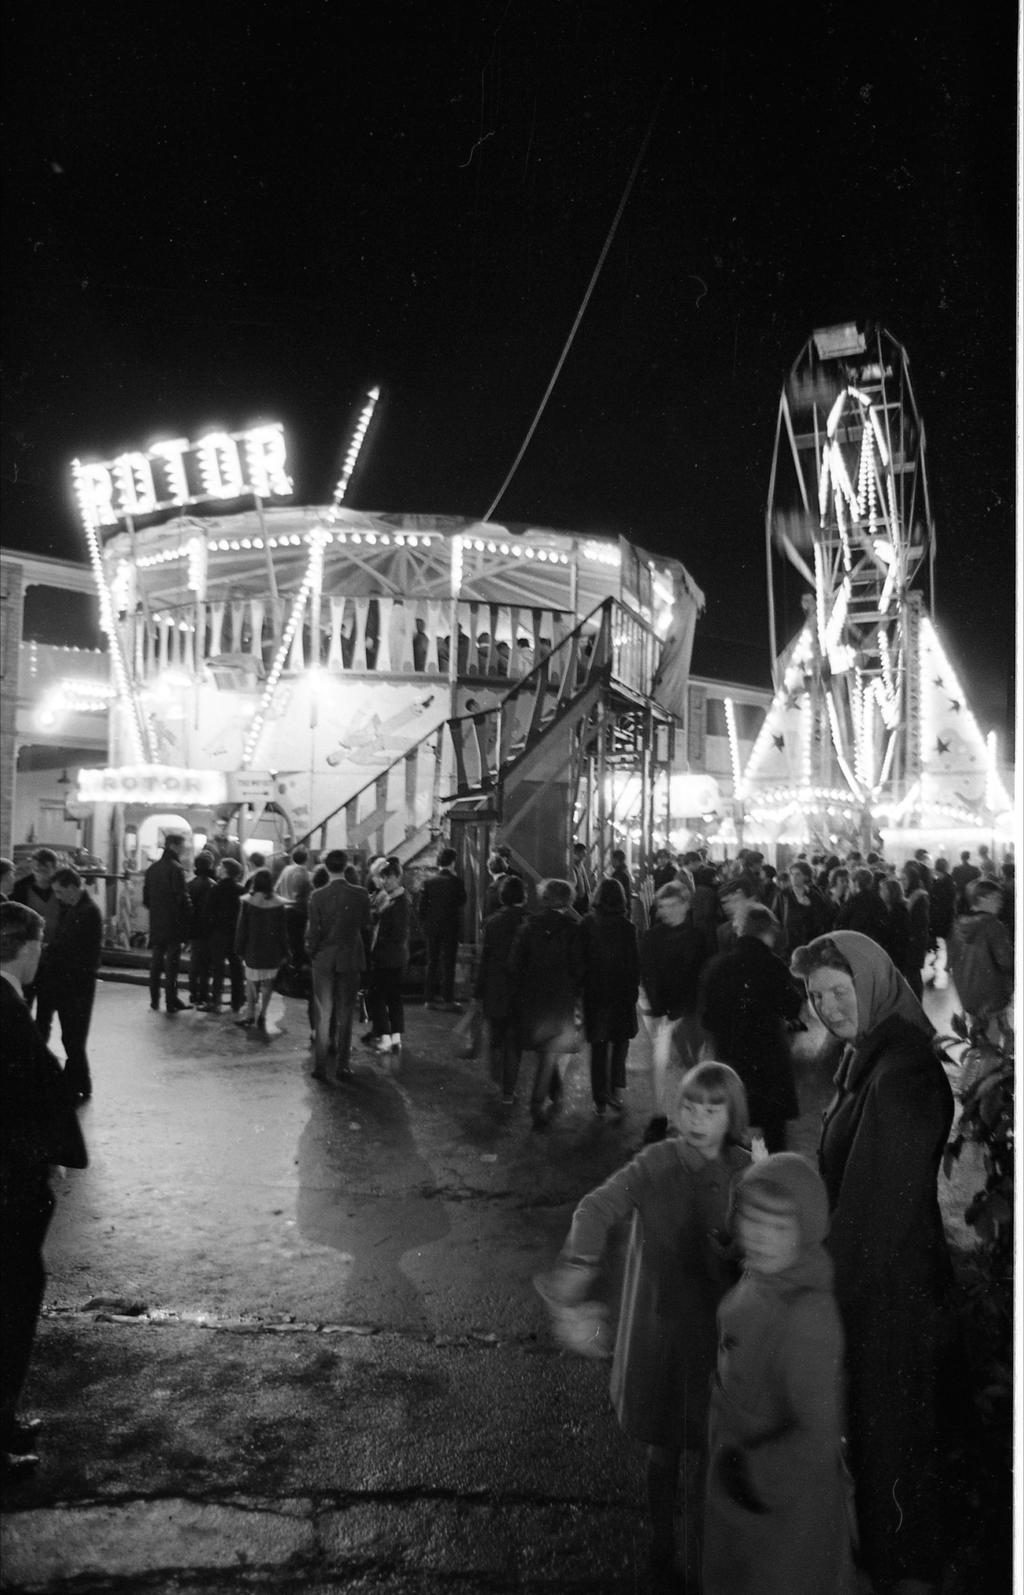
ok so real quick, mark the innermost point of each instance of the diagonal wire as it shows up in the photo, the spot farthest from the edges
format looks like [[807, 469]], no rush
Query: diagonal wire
[[582, 310]]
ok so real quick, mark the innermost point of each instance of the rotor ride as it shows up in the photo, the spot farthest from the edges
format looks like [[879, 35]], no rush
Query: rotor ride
[[869, 737]]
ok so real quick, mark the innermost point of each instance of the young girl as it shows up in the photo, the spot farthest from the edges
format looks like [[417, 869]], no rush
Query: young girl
[[261, 942], [677, 1193], [776, 1519]]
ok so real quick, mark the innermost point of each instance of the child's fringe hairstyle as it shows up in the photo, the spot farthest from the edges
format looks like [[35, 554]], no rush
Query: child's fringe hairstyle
[[716, 1082]]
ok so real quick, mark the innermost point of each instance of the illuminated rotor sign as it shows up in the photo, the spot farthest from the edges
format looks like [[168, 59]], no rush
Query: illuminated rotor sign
[[221, 465], [153, 784]]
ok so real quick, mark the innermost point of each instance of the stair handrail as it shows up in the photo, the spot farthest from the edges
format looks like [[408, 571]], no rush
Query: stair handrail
[[605, 609]]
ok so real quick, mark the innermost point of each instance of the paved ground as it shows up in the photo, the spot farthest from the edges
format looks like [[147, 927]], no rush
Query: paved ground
[[291, 1340]]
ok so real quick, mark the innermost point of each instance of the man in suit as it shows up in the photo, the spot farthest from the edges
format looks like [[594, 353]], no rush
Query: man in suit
[[73, 967], [164, 895], [440, 911], [338, 934], [38, 1128]]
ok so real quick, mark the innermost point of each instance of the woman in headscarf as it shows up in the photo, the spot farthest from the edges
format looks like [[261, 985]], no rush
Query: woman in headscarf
[[882, 1141], [777, 1514]]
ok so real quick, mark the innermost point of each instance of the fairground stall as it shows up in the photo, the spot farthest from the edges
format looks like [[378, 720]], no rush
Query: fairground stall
[[372, 681], [870, 740]]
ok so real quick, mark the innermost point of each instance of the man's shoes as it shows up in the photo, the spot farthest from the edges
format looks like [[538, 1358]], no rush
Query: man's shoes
[[246, 1022], [261, 1025], [177, 1007], [210, 1007], [18, 1463], [318, 1074], [154, 1007], [435, 1006], [454, 1007], [615, 1102]]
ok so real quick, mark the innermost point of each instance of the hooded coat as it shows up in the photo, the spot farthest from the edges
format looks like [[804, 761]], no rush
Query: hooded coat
[[777, 1514], [882, 1141], [981, 961]]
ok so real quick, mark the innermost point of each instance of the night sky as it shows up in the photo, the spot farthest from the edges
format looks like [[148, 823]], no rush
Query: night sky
[[223, 213]]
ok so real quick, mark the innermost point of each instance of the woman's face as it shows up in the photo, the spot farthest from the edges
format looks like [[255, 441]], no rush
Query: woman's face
[[834, 999]]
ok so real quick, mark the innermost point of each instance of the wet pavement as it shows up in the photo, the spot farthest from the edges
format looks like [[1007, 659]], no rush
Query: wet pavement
[[291, 1341]]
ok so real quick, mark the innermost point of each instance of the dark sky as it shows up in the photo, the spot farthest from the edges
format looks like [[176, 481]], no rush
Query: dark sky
[[220, 213]]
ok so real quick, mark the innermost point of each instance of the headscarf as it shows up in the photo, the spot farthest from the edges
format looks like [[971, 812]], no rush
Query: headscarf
[[790, 1176], [881, 990]]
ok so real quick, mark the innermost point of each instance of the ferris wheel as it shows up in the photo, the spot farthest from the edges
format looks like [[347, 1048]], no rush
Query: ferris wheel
[[848, 507]]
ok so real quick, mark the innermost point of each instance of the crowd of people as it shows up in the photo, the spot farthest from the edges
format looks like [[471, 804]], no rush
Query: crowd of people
[[787, 1347]]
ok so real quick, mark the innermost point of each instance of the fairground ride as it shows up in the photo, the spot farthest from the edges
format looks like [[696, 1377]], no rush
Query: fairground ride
[[869, 737]]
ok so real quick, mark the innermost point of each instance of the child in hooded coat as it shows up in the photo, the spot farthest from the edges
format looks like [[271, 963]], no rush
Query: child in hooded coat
[[778, 1516]]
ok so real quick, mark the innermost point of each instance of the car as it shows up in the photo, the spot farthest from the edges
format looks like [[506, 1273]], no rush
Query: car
[[79, 858]]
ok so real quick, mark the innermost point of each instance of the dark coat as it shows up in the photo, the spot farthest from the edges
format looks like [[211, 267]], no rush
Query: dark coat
[[164, 895], [391, 937], [675, 1277], [747, 998], [671, 959], [611, 976], [546, 966], [881, 1146], [801, 922], [43, 903], [199, 889], [74, 954], [261, 938], [864, 912], [222, 909], [493, 989], [981, 963], [897, 939], [942, 896], [440, 904], [38, 1125]]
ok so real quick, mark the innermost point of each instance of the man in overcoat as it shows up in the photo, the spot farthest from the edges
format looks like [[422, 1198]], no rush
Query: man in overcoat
[[164, 895], [338, 936], [74, 967], [38, 1128]]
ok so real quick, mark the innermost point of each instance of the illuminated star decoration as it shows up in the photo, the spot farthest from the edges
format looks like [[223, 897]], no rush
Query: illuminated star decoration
[[780, 742], [938, 682], [940, 746], [954, 704]]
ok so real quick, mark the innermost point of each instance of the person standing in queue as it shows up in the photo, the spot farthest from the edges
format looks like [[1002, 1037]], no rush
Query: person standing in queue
[[164, 895], [222, 911], [74, 965], [338, 943], [611, 985], [200, 955], [440, 911], [546, 977], [35, 890], [38, 1130]]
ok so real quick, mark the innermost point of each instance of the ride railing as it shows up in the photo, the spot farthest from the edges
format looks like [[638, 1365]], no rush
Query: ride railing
[[359, 636]]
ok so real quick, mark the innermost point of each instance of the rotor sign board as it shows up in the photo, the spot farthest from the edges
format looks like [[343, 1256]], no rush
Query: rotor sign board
[[221, 465], [153, 784]]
